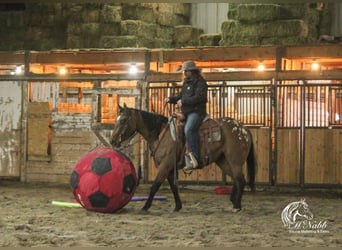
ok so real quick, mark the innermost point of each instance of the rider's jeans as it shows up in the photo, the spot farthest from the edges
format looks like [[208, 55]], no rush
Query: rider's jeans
[[193, 122]]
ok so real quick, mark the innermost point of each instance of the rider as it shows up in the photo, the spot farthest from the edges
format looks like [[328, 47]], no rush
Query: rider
[[192, 101]]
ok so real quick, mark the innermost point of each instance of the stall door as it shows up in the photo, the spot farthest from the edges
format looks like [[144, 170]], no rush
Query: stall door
[[10, 128]]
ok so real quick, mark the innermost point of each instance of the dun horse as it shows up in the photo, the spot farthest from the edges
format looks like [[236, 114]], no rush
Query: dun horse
[[224, 141]]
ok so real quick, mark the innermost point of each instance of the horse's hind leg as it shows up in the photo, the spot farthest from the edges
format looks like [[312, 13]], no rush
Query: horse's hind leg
[[174, 189], [236, 195], [238, 181]]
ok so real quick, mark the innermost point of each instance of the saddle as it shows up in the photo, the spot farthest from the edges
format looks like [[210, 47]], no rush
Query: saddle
[[209, 132]]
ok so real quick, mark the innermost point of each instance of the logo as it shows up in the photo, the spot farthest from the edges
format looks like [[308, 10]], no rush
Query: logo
[[298, 218]]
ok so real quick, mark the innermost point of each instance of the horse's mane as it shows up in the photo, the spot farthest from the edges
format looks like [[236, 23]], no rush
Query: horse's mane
[[288, 212], [154, 122]]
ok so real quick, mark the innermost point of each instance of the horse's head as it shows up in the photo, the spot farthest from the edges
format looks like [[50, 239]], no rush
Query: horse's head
[[296, 211], [303, 210], [124, 127]]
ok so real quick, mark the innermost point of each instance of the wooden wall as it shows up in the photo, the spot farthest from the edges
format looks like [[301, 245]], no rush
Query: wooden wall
[[213, 173], [288, 153], [66, 149], [323, 156]]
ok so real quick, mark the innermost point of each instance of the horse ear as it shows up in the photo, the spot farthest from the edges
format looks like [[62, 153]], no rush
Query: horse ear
[[125, 106], [120, 108]]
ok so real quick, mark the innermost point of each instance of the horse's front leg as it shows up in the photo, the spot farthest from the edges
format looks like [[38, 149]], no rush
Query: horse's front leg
[[158, 181], [154, 189], [174, 189]]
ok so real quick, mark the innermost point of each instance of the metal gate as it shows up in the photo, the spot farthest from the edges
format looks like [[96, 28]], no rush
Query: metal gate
[[247, 102], [308, 133], [296, 127]]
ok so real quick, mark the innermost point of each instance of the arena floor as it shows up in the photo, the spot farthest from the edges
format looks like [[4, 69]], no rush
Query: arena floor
[[28, 219]]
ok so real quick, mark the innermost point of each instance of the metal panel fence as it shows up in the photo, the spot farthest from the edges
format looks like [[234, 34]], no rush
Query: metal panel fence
[[249, 104], [288, 110]]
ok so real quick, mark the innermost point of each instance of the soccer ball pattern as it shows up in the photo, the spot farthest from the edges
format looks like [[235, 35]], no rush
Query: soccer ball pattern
[[103, 180]]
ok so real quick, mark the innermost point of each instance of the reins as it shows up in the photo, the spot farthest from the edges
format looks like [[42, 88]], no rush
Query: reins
[[175, 170]]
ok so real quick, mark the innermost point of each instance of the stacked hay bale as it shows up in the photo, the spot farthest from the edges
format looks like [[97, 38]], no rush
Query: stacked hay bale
[[41, 29], [149, 25], [269, 24], [83, 27]]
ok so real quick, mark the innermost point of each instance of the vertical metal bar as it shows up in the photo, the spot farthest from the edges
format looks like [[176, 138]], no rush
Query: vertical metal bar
[[302, 136]]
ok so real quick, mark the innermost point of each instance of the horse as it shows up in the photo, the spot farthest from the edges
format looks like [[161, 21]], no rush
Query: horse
[[294, 212], [229, 149]]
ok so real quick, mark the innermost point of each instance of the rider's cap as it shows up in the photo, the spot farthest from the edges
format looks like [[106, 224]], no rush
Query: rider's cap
[[188, 65]]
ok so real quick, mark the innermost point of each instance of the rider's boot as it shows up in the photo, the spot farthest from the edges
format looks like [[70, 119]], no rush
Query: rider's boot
[[190, 162]]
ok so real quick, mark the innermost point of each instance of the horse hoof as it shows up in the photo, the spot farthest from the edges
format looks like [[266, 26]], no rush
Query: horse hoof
[[143, 211], [236, 210]]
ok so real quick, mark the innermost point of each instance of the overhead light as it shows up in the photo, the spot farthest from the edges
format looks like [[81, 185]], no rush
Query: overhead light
[[133, 69], [18, 70], [315, 65], [261, 67], [62, 71]]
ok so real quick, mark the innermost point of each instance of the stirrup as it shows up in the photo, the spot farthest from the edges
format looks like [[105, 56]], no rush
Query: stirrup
[[190, 162]]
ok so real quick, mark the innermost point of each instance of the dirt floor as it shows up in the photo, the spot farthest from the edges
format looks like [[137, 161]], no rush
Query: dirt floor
[[27, 218]]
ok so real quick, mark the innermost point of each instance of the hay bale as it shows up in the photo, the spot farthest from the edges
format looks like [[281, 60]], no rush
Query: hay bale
[[258, 12], [286, 28], [110, 29], [138, 28], [209, 39], [162, 43], [183, 9], [73, 41], [118, 42], [90, 33], [187, 34], [110, 14], [73, 28], [165, 18], [279, 28], [240, 41], [291, 40], [146, 13], [165, 32], [91, 30], [90, 16], [129, 11]]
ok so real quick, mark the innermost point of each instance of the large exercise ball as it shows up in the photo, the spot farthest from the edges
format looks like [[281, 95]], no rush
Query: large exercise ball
[[103, 180]]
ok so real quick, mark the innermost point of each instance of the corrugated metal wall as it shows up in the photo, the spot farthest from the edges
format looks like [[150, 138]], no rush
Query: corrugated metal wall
[[209, 16]]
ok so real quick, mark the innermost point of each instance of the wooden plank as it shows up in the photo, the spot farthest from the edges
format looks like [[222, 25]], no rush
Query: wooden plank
[[313, 51], [38, 129], [215, 53], [261, 138], [88, 57], [288, 158], [252, 76], [323, 159], [12, 58]]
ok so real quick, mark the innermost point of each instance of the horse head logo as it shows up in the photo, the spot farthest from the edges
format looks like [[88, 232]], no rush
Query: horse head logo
[[295, 212]]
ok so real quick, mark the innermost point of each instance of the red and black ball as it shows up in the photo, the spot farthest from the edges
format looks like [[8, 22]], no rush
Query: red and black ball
[[103, 180]]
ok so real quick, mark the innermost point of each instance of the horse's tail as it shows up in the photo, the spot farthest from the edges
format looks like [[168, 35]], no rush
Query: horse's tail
[[251, 165]]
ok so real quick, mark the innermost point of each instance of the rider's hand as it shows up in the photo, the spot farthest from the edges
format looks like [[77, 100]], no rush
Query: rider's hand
[[166, 100], [179, 103]]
